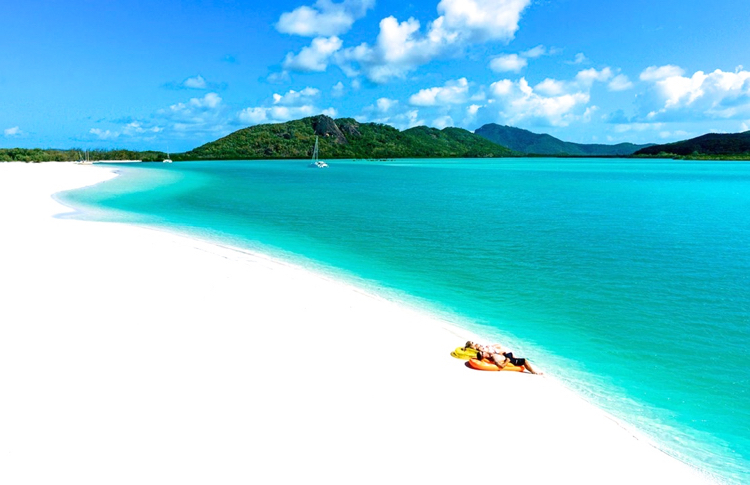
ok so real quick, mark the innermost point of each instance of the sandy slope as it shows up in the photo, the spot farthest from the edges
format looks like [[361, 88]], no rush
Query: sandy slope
[[133, 356]]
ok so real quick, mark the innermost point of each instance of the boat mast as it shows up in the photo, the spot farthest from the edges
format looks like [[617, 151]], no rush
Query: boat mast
[[315, 151]]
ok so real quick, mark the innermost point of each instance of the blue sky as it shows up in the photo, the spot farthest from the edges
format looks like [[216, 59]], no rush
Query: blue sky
[[174, 75]]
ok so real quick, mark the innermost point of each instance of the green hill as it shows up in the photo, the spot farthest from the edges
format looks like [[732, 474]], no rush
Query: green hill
[[525, 141], [712, 145], [344, 138]]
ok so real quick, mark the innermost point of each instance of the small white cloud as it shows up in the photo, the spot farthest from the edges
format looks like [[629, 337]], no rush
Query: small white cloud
[[579, 59], [637, 127], [385, 105], [620, 83], [589, 113], [588, 76], [296, 98], [677, 134], [655, 73], [279, 77], [253, 116], [442, 122], [324, 18], [14, 131], [508, 63], [291, 105], [196, 82], [535, 52], [210, 101], [745, 126], [551, 87], [454, 92], [315, 57], [136, 128], [104, 134], [337, 90]]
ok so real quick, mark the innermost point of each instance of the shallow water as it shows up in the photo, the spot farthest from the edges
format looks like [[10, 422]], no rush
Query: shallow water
[[629, 279]]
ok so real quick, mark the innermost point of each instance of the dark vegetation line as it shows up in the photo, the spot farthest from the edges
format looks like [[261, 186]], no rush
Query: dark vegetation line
[[345, 138]]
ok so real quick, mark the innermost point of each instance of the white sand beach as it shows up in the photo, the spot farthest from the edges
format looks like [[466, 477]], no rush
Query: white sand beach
[[129, 355]]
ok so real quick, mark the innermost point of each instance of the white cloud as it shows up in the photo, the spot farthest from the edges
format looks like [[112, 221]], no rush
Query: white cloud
[[136, 128], [579, 59], [589, 113], [104, 134], [385, 105], [199, 116], [401, 47], [620, 83], [315, 57], [587, 77], [453, 92], [337, 90], [275, 114], [508, 63], [517, 101], [196, 82], [583, 82], [442, 122], [655, 73], [745, 126], [291, 105], [209, 101], [637, 127], [331, 112], [551, 87], [482, 20], [677, 134], [535, 52], [720, 94], [296, 98], [398, 50], [391, 116], [253, 116], [325, 18], [14, 131]]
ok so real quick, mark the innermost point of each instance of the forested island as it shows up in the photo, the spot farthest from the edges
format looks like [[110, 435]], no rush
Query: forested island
[[530, 143], [712, 146], [346, 138]]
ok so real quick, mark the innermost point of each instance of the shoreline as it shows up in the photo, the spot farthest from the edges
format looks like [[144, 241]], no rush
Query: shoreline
[[402, 389]]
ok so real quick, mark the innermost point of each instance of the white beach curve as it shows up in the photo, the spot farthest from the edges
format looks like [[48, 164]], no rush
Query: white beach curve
[[129, 355]]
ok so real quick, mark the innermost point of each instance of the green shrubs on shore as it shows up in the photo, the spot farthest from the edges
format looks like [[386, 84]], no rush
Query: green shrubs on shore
[[53, 155]]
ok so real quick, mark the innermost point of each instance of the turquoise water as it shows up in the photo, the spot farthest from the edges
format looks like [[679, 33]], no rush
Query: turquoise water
[[629, 280]]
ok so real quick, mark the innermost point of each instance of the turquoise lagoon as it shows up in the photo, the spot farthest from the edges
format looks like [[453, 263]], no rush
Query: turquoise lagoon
[[629, 280]]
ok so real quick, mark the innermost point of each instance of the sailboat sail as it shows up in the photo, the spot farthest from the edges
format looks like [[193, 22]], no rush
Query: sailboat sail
[[315, 163]]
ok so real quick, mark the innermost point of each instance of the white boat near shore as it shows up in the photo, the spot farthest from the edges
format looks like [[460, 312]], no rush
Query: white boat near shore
[[316, 163]]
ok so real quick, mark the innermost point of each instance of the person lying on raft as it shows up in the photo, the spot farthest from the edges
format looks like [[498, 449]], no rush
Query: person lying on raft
[[493, 348], [505, 358]]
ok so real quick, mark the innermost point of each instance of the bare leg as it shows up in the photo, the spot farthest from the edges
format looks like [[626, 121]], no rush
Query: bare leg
[[531, 369]]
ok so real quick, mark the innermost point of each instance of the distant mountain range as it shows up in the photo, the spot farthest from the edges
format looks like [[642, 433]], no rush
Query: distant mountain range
[[345, 138], [527, 142], [712, 145]]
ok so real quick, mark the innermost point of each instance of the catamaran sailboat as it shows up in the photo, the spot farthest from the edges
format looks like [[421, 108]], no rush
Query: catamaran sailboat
[[315, 163], [167, 160]]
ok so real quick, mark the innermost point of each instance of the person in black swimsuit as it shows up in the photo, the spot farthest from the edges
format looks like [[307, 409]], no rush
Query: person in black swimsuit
[[504, 358]]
